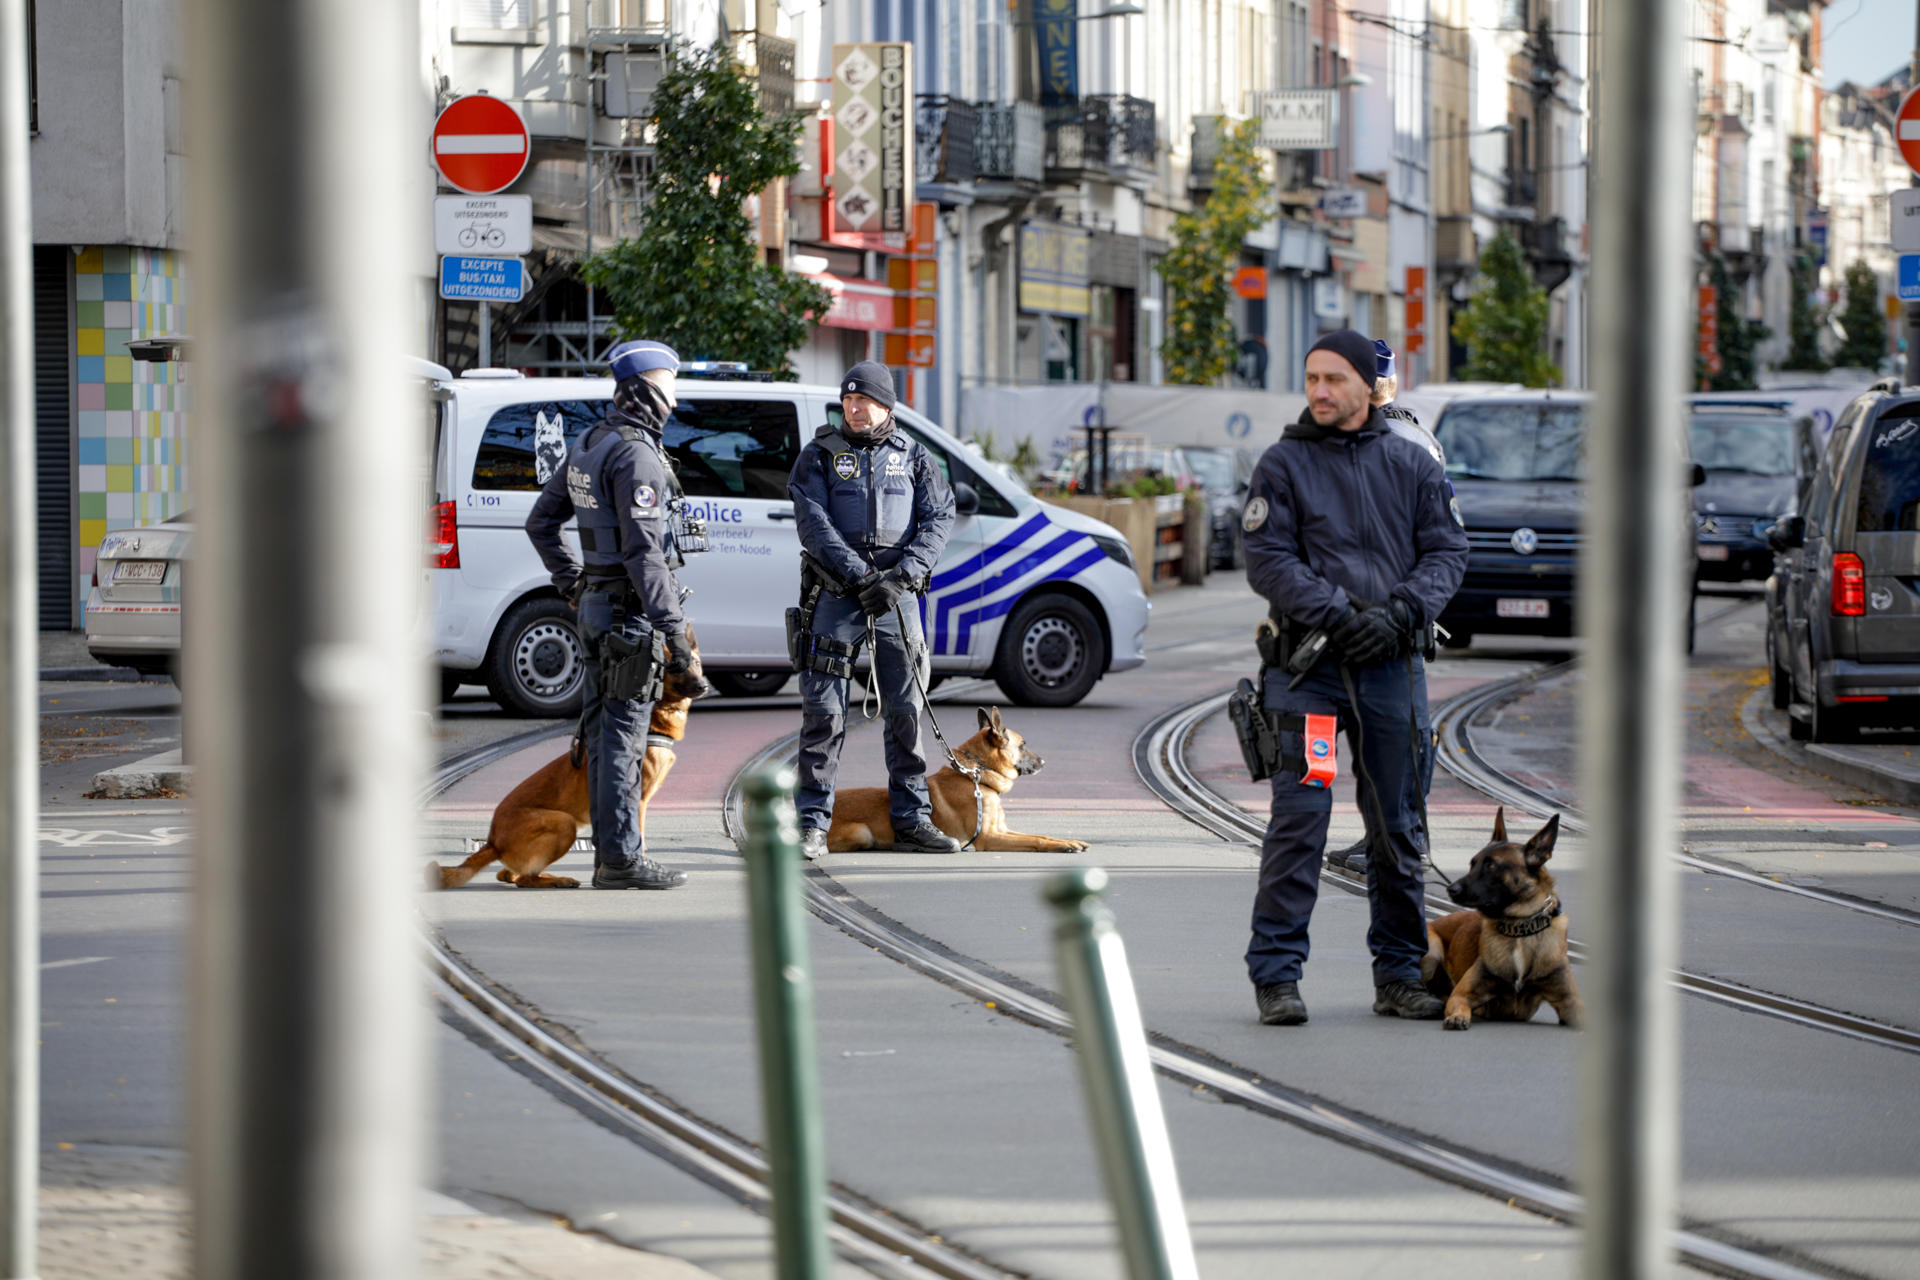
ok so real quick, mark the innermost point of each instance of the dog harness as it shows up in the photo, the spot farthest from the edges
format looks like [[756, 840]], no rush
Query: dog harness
[[1531, 925], [979, 800]]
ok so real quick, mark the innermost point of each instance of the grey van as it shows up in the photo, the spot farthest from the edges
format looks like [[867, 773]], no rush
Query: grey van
[[1843, 605]]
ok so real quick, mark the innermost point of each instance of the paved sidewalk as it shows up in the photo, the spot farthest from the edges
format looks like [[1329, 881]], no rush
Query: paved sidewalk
[[121, 1211], [64, 656]]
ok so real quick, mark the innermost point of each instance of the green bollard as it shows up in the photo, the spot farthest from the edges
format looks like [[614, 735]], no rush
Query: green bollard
[[783, 1002], [1136, 1156]]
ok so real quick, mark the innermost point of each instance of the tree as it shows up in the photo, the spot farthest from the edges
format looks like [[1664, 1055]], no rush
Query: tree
[[1200, 348], [693, 278], [1866, 326], [1803, 319], [1504, 325], [1738, 335]]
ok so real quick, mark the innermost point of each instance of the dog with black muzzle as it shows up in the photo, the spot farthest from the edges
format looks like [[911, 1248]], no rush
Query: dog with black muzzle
[[1508, 953], [967, 813]]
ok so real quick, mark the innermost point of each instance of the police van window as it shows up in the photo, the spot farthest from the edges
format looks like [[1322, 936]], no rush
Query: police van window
[[1514, 441], [524, 444], [1890, 474], [1820, 504], [992, 501], [734, 448]]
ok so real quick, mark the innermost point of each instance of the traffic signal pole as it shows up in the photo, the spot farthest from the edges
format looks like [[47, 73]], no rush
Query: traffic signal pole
[[306, 678], [1633, 586], [19, 675]]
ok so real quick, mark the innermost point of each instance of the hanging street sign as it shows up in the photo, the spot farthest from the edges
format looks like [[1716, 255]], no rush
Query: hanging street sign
[[480, 144], [464, 279], [871, 184], [1906, 129], [483, 226], [1344, 202], [1910, 277], [1298, 119], [1904, 207]]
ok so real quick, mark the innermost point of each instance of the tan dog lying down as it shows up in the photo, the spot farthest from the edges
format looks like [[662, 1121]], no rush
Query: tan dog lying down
[[861, 819], [541, 818]]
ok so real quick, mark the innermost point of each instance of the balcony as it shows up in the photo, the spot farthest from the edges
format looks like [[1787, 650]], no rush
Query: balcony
[[1103, 136], [1009, 142], [1454, 249], [1523, 188], [945, 130], [1209, 133], [771, 62]]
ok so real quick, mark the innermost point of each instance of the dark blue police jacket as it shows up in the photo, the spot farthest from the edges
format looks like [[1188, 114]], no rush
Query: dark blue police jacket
[[882, 506], [1334, 517], [616, 483]]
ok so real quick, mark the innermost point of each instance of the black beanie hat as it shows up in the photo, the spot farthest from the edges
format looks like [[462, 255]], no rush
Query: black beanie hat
[[872, 379], [1355, 348]]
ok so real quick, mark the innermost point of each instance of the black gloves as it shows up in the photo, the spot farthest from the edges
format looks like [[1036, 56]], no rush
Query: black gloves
[[684, 663], [679, 652], [1375, 632], [879, 595]]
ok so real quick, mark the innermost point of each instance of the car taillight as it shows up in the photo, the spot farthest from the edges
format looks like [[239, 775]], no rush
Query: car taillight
[[1849, 586], [443, 537]]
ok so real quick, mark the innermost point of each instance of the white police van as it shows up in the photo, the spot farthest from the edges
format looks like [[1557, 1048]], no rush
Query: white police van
[[1043, 599]]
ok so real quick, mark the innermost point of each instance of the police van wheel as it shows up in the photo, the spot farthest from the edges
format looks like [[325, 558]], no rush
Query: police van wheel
[[538, 660], [1050, 653], [749, 684]]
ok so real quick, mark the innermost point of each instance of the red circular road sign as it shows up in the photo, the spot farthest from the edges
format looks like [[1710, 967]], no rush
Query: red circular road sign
[[1906, 129], [480, 144]]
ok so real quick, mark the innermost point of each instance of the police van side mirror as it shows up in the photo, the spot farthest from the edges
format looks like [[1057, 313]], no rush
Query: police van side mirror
[[1787, 533], [1697, 477], [966, 498]]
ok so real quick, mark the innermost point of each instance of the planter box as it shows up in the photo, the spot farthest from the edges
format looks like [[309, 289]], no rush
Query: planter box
[[1156, 530]]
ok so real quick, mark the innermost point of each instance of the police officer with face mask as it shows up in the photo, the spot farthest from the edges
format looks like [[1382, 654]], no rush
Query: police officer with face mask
[[874, 513], [617, 483]]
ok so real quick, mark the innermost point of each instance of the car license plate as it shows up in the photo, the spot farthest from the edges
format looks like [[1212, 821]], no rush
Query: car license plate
[[1520, 608], [140, 571], [1713, 551]]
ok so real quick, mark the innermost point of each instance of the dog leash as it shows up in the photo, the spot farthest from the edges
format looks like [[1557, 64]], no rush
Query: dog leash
[[1377, 838], [971, 773]]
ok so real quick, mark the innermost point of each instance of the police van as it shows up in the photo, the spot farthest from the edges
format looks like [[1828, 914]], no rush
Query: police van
[[1042, 599]]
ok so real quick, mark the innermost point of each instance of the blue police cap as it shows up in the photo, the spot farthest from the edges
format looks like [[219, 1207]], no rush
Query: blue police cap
[[1382, 359], [631, 359]]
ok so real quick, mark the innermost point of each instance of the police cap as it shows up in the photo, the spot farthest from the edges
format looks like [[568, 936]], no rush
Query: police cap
[[631, 359]]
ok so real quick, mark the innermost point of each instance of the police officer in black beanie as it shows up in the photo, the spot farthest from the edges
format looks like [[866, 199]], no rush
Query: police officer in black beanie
[[1349, 530], [874, 513]]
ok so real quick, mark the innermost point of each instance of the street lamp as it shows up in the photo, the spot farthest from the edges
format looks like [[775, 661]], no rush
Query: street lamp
[[1114, 11]]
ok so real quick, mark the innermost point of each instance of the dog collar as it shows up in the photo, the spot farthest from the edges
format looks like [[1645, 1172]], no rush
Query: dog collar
[[1531, 925]]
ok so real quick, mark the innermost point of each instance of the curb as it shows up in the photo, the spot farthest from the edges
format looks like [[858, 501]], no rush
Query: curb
[[158, 775], [1900, 784], [100, 675]]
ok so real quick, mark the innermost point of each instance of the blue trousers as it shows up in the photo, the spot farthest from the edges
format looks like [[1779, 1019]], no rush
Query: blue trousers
[[616, 734], [823, 713], [1388, 719]]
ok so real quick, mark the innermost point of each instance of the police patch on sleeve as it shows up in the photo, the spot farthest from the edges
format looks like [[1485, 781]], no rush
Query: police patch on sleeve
[[1453, 505], [845, 465], [1255, 514], [646, 503]]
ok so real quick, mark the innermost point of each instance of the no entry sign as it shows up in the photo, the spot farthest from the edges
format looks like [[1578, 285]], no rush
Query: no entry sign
[[1906, 129], [480, 144]]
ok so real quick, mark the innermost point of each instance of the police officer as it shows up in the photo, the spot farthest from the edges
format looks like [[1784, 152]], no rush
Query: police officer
[[1405, 424], [1349, 529], [874, 513], [617, 483]]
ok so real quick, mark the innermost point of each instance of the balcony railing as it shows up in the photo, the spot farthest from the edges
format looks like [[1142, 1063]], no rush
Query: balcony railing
[[945, 130], [1523, 187], [1106, 133], [1009, 142]]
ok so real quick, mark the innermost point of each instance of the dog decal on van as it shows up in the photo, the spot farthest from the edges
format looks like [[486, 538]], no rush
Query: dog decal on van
[[549, 445]]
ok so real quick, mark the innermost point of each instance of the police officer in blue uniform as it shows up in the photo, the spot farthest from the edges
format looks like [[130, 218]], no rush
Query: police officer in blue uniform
[[874, 513], [617, 483], [1350, 530]]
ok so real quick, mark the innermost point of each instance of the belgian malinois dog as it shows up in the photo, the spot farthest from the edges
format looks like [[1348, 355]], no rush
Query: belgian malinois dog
[[541, 818], [1508, 953], [861, 819]]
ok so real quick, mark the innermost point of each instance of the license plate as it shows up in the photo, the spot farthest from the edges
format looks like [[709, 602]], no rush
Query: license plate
[[140, 571], [1713, 551], [1520, 608]]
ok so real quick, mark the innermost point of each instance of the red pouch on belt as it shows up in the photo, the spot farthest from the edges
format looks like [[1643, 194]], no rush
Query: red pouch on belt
[[1322, 765]]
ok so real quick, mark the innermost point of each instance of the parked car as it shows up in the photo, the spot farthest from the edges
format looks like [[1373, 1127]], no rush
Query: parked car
[[1752, 453], [1043, 599], [1843, 614], [1517, 464], [133, 606], [1224, 476]]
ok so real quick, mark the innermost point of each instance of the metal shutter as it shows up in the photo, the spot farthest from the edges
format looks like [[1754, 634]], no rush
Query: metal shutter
[[53, 433]]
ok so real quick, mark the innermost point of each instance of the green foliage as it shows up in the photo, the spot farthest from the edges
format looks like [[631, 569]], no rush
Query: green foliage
[[1804, 320], [1866, 325], [693, 278], [1738, 336], [988, 446], [1026, 459], [1146, 486], [1504, 325], [1200, 346]]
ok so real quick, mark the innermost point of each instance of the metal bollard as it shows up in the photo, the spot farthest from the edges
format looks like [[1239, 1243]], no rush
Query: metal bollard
[[783, 1003], [1136, 1156]]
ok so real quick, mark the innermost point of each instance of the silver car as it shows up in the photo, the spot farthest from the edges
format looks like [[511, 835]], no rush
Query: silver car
[[133, 608]]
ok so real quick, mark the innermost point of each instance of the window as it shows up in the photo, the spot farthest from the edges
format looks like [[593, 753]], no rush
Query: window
[[1890, 476], [1493, 441], [494, 15], [524, 444], [734, 448], [1750, 444]]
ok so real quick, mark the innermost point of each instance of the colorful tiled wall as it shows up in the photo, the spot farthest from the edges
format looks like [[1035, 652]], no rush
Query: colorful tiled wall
[[131, 451]]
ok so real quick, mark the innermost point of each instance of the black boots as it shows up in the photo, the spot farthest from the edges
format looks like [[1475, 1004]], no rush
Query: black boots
[[1280, 1004], [643, 874], [813, 844], [1405, 999], [925, 838]]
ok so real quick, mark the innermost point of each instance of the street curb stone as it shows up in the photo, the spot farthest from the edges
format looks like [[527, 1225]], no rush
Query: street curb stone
[[156, 775], [1861, 766]]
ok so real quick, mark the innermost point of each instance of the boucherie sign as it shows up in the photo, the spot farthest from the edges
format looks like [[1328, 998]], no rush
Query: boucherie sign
[[872, 179]]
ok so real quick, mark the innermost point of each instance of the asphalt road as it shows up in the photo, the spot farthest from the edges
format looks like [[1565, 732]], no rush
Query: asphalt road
[[969, 1122]]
